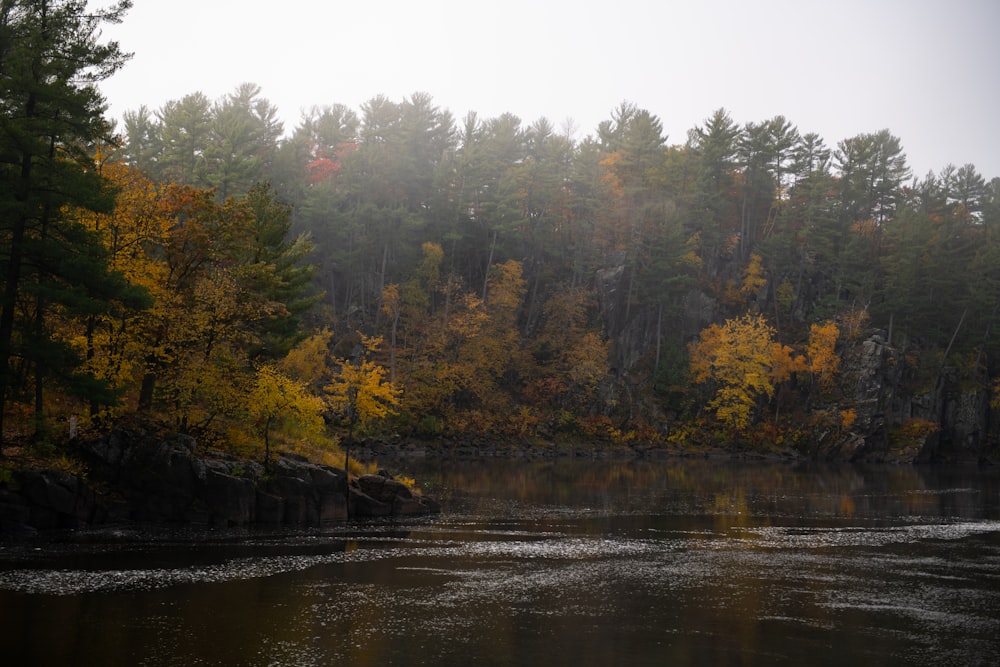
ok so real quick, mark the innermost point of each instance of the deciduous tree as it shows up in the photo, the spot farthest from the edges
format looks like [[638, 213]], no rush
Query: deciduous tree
[[360, 390], [737, 359], [280, 401], [824, 363]]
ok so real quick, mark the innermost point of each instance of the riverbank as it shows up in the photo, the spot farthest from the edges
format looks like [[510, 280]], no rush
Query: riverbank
[[841, 448], [131, 476], [445, 448]]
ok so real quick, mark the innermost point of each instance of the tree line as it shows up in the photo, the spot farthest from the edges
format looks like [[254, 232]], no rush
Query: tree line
[[396, 269]]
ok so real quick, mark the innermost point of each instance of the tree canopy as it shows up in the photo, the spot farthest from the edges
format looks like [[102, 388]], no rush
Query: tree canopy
[[421, 274]]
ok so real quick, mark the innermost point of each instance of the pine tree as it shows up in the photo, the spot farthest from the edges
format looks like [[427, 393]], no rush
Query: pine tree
[[51, 115]]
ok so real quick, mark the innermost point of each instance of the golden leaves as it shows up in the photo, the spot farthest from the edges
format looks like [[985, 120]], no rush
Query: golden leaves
[[308, 361], [743, 363], [738, 357], [360, 390], [824, 363], [276, 395], [753, 277]]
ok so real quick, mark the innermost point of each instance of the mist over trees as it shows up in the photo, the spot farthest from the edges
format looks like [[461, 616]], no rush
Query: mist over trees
[[477, 275]]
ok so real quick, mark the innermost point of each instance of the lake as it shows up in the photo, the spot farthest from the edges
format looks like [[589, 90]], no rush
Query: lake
[[558, 563]]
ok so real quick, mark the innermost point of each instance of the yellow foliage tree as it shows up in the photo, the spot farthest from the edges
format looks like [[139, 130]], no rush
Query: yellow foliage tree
[[361, 393], [738, 358], [212, 302], [785, 363], [189, 351], [588, 361], [824, 364], [435, 366], [360, 390], [506, 290], [753, 277], [308, 361], [278, 400], [498, 351], [134, 234], [569, 359]]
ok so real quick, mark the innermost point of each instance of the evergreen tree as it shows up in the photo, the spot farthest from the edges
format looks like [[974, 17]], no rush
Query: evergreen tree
[[143, 144], [51, 115], [184, 133], [242, 141], [713, 211], [276, 271]]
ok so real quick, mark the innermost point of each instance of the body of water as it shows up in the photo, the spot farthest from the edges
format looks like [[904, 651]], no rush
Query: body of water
[[559, 563]]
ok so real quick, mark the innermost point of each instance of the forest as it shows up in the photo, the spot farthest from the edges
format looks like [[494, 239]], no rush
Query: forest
[[395, 271]]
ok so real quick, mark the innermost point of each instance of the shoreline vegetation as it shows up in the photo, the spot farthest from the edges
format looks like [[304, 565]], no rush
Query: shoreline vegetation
[[134, 477], [488, 286]]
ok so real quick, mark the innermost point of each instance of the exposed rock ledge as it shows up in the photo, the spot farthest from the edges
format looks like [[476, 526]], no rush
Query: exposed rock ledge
[[133, 476]]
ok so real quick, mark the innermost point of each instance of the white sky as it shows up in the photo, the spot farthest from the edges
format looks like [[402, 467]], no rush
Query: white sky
[[929, 71]]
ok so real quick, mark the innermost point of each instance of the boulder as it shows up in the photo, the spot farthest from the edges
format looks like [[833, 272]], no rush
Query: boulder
[[15, 514], [332, 508], [231, 500], [270, 509], [363, 505], [51, 490], [383, 488], [381, 495]]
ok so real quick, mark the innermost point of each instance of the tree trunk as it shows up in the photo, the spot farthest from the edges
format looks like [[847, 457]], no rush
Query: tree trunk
[[12, 279], [489, 263], [659, 329], [267, 443]]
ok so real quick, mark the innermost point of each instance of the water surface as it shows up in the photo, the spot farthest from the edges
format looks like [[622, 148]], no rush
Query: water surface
[[566, 563]]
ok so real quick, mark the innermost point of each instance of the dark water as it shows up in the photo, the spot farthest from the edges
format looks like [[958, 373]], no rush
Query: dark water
[[568, 563]]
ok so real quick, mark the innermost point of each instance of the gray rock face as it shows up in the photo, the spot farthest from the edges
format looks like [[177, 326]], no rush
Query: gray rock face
[[143, 478], [876, 373], [966, 421]]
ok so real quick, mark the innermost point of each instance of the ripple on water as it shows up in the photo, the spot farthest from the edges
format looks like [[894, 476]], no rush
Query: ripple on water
[[784, 537], [510, 567]]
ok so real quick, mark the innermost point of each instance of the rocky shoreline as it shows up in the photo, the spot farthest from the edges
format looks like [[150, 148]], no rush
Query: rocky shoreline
[[134, 477]]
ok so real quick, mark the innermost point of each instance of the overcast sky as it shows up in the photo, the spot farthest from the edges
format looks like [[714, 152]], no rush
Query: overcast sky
[[929, 71]]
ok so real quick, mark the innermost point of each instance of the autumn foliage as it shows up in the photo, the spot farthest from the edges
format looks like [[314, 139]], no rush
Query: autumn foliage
[[741, 363], [407, 273], [739, 359]]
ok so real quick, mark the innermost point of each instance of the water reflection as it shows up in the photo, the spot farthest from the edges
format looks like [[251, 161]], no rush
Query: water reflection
[[720, 487], [576, 563]]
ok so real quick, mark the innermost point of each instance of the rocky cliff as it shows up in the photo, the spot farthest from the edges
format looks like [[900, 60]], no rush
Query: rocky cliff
[[905, 413]]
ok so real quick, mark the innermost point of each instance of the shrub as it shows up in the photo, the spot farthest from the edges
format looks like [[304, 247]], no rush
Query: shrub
[[913, 433]]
